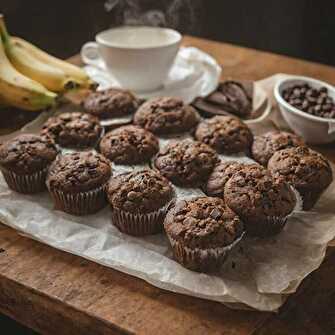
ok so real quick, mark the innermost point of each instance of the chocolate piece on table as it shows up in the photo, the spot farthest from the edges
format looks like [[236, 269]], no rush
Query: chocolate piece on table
[[231, 97]]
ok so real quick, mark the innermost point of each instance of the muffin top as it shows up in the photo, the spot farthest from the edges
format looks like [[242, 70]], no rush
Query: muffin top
[[254, 194], [166, 115], [304, 168], [27, 154], [226, 134], [203, 223], [220, 175], [78, 172], [186, 163], [266, 145], [129, 145], [139, 192], [109, 103], [78, 130]]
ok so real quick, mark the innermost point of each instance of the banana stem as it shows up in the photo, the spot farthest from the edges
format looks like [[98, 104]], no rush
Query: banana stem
[[3, 30]]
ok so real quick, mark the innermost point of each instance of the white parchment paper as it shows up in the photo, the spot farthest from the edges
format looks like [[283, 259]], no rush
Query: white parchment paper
[[259, 272]]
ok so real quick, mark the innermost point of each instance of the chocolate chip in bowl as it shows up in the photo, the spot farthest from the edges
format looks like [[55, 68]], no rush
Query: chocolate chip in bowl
[[310, 100], [307, 106]]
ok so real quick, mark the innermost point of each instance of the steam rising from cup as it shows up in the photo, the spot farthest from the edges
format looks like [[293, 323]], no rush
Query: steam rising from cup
[[182, 15]]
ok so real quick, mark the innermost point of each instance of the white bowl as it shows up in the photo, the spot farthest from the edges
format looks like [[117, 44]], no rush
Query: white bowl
[[314, 129]]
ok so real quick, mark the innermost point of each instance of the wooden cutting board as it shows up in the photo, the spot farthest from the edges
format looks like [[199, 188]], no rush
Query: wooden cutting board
[[57, 293]]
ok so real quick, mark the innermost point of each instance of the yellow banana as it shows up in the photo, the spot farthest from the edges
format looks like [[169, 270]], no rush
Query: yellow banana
[[20, 91], [74, 72], [52, 78]]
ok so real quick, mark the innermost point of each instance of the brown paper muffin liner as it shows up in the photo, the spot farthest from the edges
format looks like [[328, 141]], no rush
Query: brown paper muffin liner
[[201, 260], [271, 226], [81, 203], [27, 183], [139, 224], [310, 198]]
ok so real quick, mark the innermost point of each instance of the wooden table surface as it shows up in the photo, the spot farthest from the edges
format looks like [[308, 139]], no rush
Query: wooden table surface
[[57, 293]]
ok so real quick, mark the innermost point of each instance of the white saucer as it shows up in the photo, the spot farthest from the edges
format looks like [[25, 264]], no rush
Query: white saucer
[[194, 74]]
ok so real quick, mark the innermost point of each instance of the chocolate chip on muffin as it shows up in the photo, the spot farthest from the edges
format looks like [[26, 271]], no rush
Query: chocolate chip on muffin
[[24, 161], [110, 103], [186, 163], [201, 231], [129, 145], [308, 171], [75, 130], [77, 182], [219, 177], [226, 134], [167, 115], [139, 201], [261, 200], [266, 145]]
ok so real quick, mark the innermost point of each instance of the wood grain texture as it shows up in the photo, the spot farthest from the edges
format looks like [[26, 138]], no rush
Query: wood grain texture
[[57, 293]]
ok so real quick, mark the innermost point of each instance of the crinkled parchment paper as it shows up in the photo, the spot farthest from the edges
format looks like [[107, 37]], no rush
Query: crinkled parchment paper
[[259, 272]]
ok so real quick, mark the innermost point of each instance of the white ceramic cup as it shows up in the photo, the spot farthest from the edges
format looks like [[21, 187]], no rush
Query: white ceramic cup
[[139, 58]]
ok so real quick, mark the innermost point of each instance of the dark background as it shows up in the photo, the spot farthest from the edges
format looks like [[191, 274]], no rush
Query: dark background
[[298, 28]]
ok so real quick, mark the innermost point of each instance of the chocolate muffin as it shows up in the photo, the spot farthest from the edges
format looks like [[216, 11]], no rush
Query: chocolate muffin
[[266, 145], [139, 201], [201, 232], [218, 178], [129, 145], [111, 103], [186, 163], [77, 182], [74, 130], [262, 201], [226, 134], [308, 171], [24, 161], [167, 115]]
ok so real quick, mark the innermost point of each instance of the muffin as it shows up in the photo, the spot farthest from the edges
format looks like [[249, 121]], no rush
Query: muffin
[[110, 103], [219, 177], [139, 201], [186, 163], [165, 116], [262, 201], [73, 130], [225, 134], [77, 182], [129, 145], [201, 232], [308, 171], [266, 145], [24, 161]]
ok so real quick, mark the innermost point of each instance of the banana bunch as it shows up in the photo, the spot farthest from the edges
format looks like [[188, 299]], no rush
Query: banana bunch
[[30, 78]]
